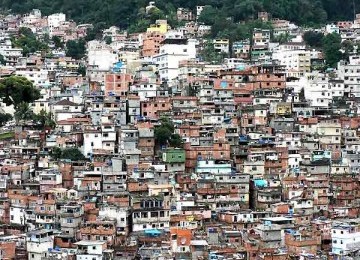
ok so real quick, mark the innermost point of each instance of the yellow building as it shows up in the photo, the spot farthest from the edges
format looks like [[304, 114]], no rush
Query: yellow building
[[283, 109], [160, 26]]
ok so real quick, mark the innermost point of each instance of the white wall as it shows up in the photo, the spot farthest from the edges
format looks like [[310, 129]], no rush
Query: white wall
[[16, 214], [92, 141], [101, 55], [170, 55]]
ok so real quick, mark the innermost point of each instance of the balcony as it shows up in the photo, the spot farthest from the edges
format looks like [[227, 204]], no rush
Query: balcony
[[45, 221], [151, 220], [178, 218], [16, 176], [303, 242], [45, 212], [269, 199], [99, 230], [48, 182], [204, 191], [345, 197], [65, 224], [71, 214], [324, 201], [182, 180], [224, 200], [109, 138], [325, 194], [237, 180]]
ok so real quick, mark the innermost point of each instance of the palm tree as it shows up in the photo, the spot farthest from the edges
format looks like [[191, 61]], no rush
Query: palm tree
[[45, 119], [284, 38], [23, 113]]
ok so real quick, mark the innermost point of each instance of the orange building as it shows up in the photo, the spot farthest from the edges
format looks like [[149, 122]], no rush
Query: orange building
[[7, 250], [309, 244], [118, 83], [217, 151], [154, 107], [151, 43]]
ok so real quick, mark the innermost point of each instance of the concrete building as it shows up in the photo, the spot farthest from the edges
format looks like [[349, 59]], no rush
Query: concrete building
[[171, 53]]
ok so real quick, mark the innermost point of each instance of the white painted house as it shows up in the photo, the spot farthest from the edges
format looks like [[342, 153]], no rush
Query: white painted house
[[101, 56], [171, 53]]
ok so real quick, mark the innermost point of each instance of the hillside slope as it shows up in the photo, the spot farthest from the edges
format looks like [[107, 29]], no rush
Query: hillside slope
[[125, 13]]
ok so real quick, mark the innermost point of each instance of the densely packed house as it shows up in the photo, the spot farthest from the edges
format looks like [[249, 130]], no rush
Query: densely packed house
[[157, 154]]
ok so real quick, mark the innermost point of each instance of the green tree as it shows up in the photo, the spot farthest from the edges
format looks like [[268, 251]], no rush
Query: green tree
[[108, 40], [23, 113], [302, 95], [81, 70], [76, 49], [331, 49], [15, 90], [4, 118], [2, 60], [27, 41], [72, 154], [56, 153], [125, 13], [246, 9], [313, 39], [140, 26], [176, 141], [347, 47], [46, 38], [210, 55], [155, 14], [164, 134], [57, 42], [208, 15], [44, 119], [95, 33], [283, 38]]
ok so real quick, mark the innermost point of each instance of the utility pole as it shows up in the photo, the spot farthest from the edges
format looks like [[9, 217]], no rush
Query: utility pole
[[354, 9]]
